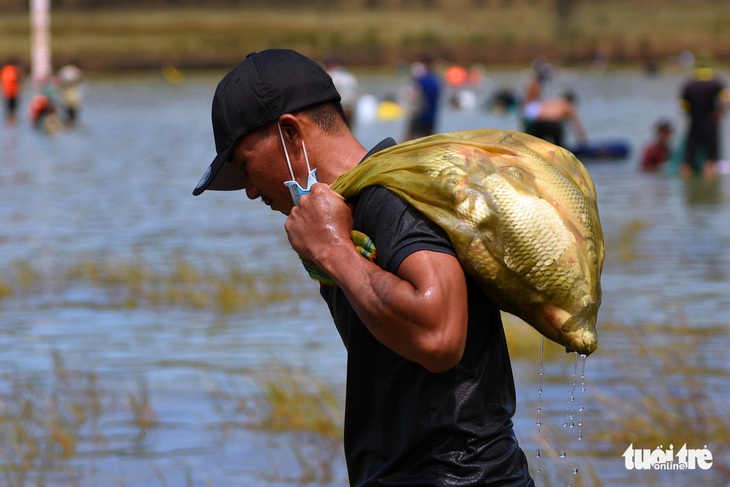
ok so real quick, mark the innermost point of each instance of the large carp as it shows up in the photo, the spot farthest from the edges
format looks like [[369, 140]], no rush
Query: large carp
[[521, 214]]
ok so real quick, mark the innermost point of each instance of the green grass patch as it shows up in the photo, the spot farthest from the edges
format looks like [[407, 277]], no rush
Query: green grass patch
[[134, 283]]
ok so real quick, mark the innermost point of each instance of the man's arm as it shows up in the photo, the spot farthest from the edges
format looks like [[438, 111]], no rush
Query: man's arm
[[723, 102], [420, 313], [577, 124]]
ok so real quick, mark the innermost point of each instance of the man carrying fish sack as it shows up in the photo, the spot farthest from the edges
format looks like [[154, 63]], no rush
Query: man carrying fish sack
[[430, 391]]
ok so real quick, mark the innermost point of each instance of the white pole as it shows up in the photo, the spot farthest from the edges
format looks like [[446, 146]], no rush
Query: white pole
[[40, 27]]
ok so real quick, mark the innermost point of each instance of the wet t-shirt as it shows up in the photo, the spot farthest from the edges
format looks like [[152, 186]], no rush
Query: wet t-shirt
[[404, 425]]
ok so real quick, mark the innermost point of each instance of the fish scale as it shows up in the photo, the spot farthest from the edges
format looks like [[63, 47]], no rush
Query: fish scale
[[533, 235], [568, 190]]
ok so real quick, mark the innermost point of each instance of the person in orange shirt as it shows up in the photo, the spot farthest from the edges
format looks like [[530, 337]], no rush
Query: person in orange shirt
[[11, 78]]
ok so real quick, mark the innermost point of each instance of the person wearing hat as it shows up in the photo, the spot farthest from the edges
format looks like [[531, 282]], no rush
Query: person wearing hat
[[703, 98], [430, 393]]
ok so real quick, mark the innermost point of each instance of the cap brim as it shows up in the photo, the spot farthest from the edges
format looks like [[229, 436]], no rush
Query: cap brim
[[221, 175]]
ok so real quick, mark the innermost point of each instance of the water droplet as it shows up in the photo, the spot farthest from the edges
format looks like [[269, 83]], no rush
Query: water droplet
[[563, 454], [539, 391], [539, 409], [538, 422], [580, 437], [580, 409], [537, 455], [575, 471], [571, 425]]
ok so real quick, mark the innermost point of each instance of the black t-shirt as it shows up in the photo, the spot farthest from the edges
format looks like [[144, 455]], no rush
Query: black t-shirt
[[703, 98], [407, 426]]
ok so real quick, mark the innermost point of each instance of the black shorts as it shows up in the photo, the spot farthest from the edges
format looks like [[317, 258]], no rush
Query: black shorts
[[549, 130], [703, 144]]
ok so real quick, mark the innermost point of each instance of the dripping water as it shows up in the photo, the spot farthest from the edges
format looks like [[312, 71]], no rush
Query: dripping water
[[582, 392], [574, 416], [569, 421], [571, 418], [570, 415], [539, 402]]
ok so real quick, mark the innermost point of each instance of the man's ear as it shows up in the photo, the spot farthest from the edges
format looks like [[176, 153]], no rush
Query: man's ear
[[291, 129]]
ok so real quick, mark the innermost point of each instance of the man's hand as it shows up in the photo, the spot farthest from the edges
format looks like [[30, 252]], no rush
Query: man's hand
[[320, 226]]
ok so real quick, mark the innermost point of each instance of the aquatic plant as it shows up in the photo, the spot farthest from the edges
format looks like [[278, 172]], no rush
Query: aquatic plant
[[652, 372], [295, 403], [131, 283], [625, 243], [5, 290], [651, 385], [46, 423], [663, 400], [24, 275]]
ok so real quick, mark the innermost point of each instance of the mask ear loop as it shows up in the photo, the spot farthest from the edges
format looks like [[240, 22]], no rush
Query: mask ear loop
[[286, 153], [306, 159]]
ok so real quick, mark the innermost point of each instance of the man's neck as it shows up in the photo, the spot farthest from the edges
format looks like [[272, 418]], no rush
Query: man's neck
[[348, 154]]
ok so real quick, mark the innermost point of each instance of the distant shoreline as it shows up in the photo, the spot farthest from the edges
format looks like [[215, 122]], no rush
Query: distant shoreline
[[215, 38]]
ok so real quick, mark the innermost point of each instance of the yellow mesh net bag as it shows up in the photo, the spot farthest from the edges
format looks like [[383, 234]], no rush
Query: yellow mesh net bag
[[521, 214]]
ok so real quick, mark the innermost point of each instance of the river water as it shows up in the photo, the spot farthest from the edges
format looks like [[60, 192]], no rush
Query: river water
[[117, 188]]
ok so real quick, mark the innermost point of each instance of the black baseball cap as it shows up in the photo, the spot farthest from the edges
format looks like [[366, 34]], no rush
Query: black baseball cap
[[263, 87]]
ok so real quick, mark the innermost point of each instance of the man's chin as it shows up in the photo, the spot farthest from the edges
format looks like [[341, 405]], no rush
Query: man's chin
[[284, 210]]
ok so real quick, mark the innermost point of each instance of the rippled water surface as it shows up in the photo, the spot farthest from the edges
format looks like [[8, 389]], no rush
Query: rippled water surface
[[117, 188]]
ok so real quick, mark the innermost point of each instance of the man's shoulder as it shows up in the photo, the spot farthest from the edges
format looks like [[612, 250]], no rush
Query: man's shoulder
[[381, 200]]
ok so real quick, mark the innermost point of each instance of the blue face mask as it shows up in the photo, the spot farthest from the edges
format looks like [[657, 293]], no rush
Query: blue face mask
[[295, 189]]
